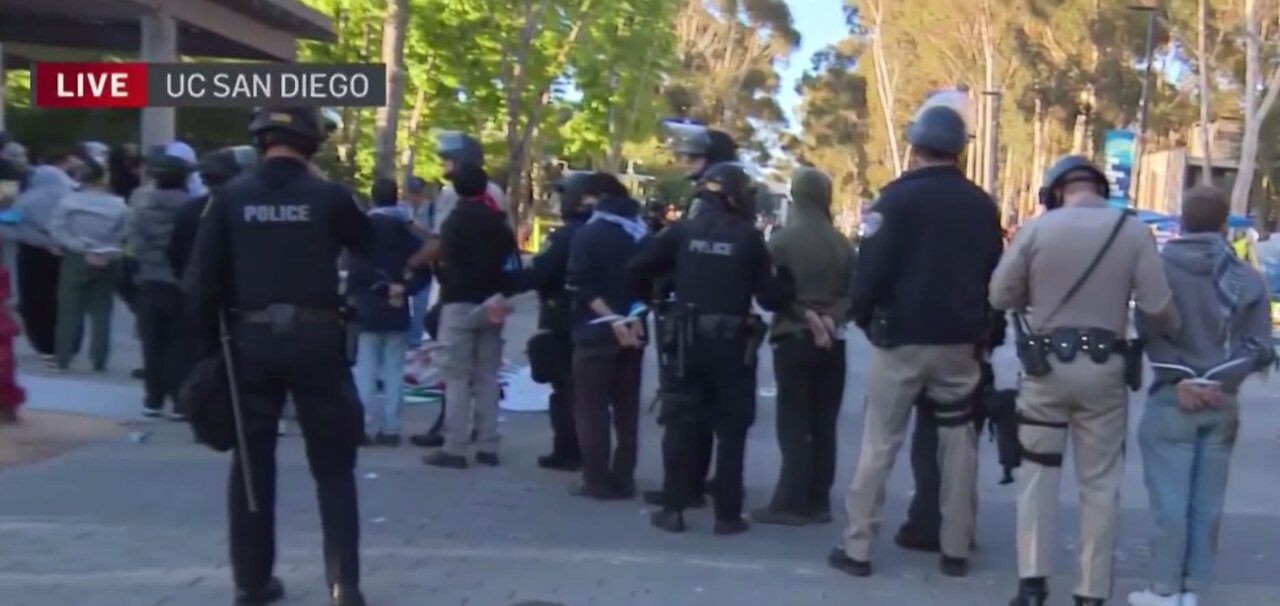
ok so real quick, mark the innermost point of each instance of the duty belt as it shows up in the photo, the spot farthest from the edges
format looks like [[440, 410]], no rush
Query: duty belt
[[283, 315], [720, 326], [1095, 343]]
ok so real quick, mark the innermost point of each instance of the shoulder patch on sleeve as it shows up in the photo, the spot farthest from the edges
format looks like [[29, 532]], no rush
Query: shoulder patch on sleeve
[[871, 223]]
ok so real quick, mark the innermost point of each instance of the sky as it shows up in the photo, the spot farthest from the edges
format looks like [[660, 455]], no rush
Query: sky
[[820, 22]]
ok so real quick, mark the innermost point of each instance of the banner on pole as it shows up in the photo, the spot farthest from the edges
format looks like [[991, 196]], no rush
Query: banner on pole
[[1117, 151]]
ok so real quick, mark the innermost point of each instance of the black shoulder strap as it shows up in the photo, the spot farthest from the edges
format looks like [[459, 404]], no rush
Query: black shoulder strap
[[1088, 271]]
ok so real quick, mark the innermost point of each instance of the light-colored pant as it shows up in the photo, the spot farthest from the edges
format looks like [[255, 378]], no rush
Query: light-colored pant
[[1092, 401], [1185, 457], [470, 356], [419, 304], [896, 377], [380, 357]]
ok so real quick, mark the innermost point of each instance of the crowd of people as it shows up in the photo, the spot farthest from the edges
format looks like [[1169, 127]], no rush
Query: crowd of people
[[243, 247]]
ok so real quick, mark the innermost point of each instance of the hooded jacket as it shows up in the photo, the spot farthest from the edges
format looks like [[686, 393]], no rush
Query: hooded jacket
[[598, 257], [372, 272], [150, 231], [819, 257], [1225, 310], [46, 186], [90, 220]]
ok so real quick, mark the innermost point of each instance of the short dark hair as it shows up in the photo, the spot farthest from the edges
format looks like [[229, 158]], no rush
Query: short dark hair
[[384, 192], [601, 185], [1204, 209]]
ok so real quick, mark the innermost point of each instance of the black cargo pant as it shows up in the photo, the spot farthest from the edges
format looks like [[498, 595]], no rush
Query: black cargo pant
[[38, 271], [718, 390], [704, 438], [165, 340], [924, 513], [810, 390], [307, 365], [564, 433], [607, 392]]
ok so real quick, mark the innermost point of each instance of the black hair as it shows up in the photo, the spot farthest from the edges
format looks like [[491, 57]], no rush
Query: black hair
[[384, 192], [170, 179], [605, 185], [1205, 209]]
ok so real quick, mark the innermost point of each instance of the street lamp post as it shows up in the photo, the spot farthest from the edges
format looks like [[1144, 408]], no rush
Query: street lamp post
[[1140, 140]]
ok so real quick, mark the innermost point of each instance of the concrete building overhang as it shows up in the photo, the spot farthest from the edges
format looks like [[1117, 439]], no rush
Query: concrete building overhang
[[233, 29]]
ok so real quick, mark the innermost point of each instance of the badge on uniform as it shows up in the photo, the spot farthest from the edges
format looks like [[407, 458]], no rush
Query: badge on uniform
[[871, 224]]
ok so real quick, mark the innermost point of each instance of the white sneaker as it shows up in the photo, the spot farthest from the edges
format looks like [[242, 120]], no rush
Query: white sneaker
[[1189, 599], [1147, 597]]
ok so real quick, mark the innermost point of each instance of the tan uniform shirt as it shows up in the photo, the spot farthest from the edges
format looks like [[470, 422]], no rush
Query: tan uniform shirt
[[1053, 250]]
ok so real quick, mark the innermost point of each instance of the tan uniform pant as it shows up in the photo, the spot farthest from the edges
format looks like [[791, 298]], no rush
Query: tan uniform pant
[[469, 358], [896, 378], [1092, 400]]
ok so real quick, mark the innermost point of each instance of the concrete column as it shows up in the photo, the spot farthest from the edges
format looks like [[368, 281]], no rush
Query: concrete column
[[159, 45]]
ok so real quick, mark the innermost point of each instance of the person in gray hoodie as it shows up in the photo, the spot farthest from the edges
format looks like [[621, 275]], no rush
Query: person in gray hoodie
[[159, 303], [1192, 414], [39, 256], [89, 226]]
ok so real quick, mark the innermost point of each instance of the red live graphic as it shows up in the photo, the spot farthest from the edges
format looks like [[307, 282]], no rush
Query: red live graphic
[[88, 85]]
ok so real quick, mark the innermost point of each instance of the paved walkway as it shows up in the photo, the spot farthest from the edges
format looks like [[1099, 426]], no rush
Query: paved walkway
[[120, 524]]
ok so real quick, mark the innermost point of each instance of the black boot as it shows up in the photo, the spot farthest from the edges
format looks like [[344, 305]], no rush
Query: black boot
[[731, 527], [559, 462], [1031, 592], [670, 520], [908, 538], [341, 595], [654, 497], [272, 592], [1089, 601]]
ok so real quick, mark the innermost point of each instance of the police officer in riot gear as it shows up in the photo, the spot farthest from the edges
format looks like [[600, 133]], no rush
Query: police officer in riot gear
[[216, 169], [1069, 276], [551, 348], [697, 149], [932, 231], [265, 259], [720, 263]]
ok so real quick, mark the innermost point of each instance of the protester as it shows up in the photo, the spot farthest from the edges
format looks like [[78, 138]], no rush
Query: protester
[[809, 353], [159, 303], [420, 211], [379, 285], [124, 175], [89, 225], [608, 339], [1192, 415], [39, 256], [478, 249]]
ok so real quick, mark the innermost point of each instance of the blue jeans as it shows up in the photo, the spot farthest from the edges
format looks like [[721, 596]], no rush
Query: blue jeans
[[1185, 456], [380, 357], [419, 304]]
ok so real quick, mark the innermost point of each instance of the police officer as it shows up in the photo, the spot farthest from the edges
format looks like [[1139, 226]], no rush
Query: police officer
[[551, 349], [919, 292], [266, 254], [720, 263], [1069, 275], [697, 149]]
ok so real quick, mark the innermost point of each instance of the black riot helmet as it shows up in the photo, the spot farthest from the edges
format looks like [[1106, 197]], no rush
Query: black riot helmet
[[459, 148], [218, 167], [732, 183], [697, 141], [939, 129], [299, 128], [571, 189], [1070, 169]]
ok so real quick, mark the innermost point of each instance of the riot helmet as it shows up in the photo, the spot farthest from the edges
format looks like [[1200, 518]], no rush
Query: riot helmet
[[1068, 170], [939, 129], [698, 147], [299, 128], [571, 190], [170, 166], [731, 182], [455, 148], [218, 167]]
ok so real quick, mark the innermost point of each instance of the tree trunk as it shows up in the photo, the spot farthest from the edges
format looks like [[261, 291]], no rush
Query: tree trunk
[[387, 117], [1206, 145], [411, 133], [884, 84], [1254, 111]]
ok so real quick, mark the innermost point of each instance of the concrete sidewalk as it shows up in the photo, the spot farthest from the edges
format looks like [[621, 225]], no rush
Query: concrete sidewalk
[[119, 524]]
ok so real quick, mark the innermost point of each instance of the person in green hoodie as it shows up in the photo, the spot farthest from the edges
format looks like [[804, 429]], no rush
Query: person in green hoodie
[[809, 353]]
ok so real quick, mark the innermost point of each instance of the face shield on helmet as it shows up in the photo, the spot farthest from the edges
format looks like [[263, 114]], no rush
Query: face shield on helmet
[[956, 100], [689, 143]]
